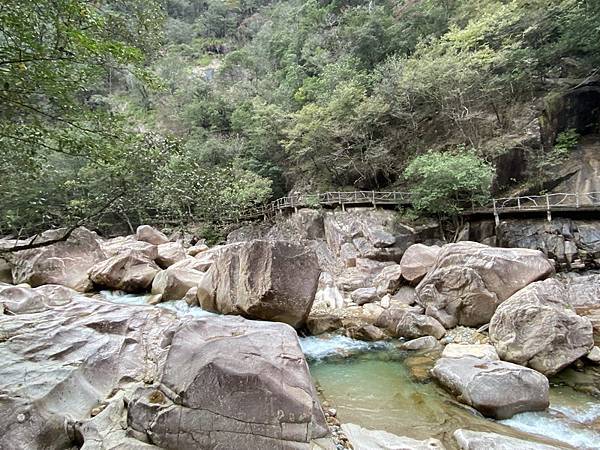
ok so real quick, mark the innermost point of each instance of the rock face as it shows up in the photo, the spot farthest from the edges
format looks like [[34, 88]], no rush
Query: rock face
[[417, 261], [151, 235], [262, 280], [362, 438], [65, 263], [130, 272], [572, 243], [478, 440], [113, 373], [469, 281], [25, 300], [537, 327], [388, 280], [496, 389]]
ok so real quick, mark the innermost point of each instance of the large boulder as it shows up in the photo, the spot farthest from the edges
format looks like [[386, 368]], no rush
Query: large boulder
[[388, 280], [169, 254], [174, 283], [103, 375], [405, 322], [417, 260], [481, 440], [65, 263], [270, 280], [130, 272], [122, 244], [151, 235], [362, 438], [469, 281], [496, 389], [537, 327]]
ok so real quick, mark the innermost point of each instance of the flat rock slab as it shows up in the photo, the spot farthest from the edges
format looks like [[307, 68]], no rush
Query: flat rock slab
[[496, 389], [477, 440], [481, 351], [364, 439]]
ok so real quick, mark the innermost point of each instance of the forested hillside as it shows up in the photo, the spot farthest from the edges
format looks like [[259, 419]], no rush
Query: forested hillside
[[120, 112]]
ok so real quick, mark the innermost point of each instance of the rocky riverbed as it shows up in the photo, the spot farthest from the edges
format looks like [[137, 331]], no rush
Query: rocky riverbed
[[148, 341]]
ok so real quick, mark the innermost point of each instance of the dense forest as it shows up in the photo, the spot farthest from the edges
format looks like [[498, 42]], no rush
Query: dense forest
[[119, 112]]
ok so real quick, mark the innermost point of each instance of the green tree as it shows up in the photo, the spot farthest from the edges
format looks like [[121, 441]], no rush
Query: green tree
[[445, 183]]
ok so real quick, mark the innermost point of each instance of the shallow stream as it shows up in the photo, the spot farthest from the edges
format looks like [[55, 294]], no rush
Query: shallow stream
[[378, 386]]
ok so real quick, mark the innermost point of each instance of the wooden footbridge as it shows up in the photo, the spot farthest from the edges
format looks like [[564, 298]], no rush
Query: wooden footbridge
[[547, 203]]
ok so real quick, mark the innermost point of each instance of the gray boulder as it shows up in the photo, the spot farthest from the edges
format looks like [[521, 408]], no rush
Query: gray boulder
[[480, 440], [23, 299], [269, 280], [151, 235], [122, 244], [537, 327], [496, 389], [363, 296], [131, 271], [174, 283], [417, 260], [422, 343], [412, 325], [169, 254], [388, 280], [65, 263], [139, 377], [469, 281]]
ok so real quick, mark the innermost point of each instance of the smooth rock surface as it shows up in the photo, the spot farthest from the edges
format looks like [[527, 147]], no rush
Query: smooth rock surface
[[537, 327], [364, 439], [479, 440], [269, 280], [169, 254], [422, 343], [496, 389], [174, 283], [418, 259], [65, 263], [411, 326], [151, 235], [363, 296], [469, 281], [130, 272], [218, 382]]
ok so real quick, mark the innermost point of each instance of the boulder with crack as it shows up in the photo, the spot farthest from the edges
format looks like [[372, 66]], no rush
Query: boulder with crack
[[537, 327], [268, 280], [95, 374], [469, 281]]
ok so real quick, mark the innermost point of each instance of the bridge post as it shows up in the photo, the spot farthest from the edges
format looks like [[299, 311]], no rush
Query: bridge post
[[548, 212], [374, 204], [577, 200], [496, 215]]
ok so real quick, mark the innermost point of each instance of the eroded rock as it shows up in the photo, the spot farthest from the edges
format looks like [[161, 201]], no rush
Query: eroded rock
[[130, 272], [469, 281], [537, 327]]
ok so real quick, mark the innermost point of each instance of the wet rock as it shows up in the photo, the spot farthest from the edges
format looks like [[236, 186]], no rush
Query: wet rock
[[269, 280], [417, 261], [169, 254], [496, 389], [481, 351], [479, 440], [537, 327], [469, 281], [422, 343], [323, 323], [130, 272], [364, 295], [87, 356], [174, 283], [65, 263], [151, 235], [388, 280], [362, 438], [366, 333]]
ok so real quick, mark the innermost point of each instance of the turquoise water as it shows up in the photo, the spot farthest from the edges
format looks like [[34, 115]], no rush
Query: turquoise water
[[373, 387]]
